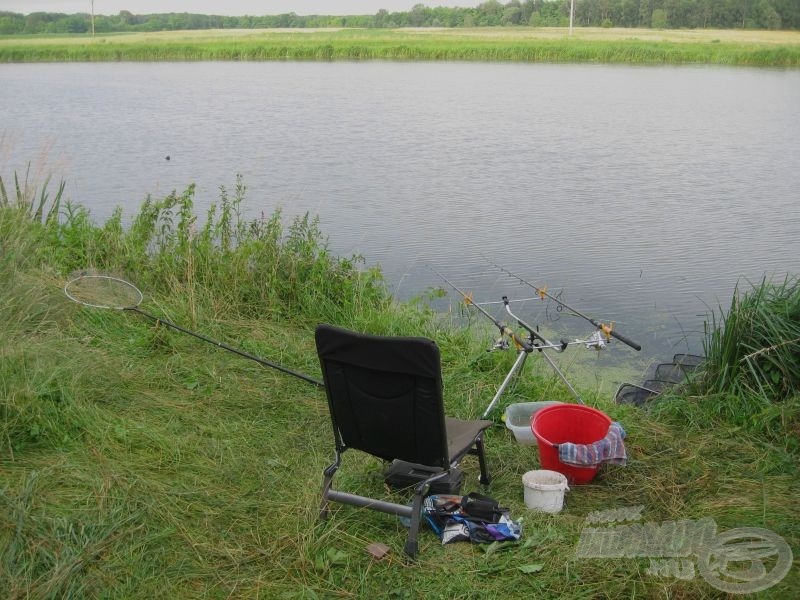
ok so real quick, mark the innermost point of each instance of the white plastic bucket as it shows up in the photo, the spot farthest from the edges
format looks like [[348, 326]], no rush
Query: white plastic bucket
[[518, 419], [544, 490]]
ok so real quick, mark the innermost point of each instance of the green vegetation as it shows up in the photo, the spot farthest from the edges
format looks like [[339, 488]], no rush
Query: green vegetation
[[755, 347], [742, 14], [752, 374], [780, 49], [138, 463]]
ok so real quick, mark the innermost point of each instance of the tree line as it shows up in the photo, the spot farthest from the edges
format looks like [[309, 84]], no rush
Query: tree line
[[657, 14]]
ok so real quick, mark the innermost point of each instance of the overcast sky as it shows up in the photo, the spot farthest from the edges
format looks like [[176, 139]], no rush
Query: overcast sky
[[223, 7]]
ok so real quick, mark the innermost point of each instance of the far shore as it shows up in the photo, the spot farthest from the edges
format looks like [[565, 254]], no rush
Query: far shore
[[731, 47], [734, 36]]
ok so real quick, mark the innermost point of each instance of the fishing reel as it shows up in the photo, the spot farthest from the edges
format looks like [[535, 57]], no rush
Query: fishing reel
[[600, 338], [500, 343]]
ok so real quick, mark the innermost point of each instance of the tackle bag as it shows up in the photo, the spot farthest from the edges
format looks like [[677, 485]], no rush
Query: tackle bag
[[482, 508]]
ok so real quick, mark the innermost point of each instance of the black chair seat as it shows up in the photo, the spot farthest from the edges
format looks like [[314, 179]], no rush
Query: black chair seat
[[461, 435]]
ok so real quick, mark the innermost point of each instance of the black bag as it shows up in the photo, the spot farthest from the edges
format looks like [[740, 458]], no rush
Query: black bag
[[481, 508]]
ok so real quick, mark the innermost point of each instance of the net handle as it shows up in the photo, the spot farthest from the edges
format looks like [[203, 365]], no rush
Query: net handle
[[224, 346], [135, 308], [107, 306]]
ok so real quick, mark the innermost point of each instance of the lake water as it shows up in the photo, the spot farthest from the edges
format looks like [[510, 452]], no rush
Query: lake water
[[642, 194]]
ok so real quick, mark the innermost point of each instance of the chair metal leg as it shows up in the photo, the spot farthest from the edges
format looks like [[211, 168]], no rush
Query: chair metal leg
[[485, 479], [412, 545], [327, 482]]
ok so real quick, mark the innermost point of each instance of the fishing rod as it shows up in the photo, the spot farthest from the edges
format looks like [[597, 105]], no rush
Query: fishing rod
[[504, 330], [535, 342], [594, 341], [103, 291], [560, 347], [608, 330], [538, 342]]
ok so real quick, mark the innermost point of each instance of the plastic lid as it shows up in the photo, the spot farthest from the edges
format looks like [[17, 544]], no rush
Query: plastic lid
[[544, 480]]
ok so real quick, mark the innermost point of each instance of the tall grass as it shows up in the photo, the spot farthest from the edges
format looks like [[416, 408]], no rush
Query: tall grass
[[34, 200], [754, 347], [236, 267], [751, 375], [135, 463], [348, 45]]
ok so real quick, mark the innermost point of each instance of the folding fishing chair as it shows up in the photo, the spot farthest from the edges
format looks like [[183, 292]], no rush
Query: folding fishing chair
[[385, 399]]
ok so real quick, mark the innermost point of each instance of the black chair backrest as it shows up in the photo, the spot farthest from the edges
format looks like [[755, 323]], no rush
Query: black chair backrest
[[384, 395]]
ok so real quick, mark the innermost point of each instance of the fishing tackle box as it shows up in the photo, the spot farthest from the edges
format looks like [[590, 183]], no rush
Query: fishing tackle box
[[400, 474]]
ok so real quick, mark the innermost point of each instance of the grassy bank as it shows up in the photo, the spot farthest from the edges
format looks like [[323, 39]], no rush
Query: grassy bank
[[136, 462], [766, 49]]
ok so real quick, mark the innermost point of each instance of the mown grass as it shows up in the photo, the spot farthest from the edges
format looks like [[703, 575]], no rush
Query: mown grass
[[136, 462], [770, 49]]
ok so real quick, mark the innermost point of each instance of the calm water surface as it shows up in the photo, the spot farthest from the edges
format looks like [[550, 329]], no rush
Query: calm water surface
[[643, 194]]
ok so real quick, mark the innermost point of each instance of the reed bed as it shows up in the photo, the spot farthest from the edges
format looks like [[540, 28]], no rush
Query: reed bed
[[136, 463]]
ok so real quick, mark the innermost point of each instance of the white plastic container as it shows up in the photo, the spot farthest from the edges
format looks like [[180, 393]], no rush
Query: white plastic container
[[518, 419], [544, 490]]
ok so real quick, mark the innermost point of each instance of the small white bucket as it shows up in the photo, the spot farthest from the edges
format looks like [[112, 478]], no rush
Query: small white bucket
[[544, 490]]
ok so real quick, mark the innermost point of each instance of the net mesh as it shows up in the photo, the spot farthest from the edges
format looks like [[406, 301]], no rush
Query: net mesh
[[634, 394], [665, 375], [688, 361], [103, 291], [670, 373]]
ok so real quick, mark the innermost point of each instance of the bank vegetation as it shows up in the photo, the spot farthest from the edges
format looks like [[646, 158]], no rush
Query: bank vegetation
[[136, 462]]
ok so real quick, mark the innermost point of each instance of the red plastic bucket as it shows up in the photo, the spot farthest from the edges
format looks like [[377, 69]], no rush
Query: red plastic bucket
[[568, 423]]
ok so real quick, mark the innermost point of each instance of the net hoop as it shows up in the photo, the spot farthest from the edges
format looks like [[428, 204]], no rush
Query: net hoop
[[128, 284]]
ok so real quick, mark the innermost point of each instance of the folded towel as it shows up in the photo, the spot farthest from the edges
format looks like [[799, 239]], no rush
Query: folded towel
[[611, 449]]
